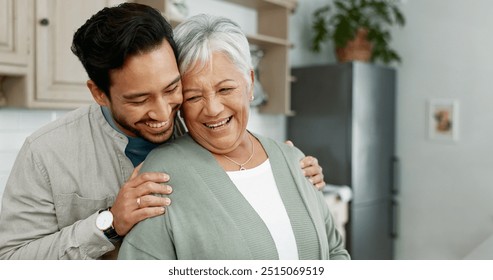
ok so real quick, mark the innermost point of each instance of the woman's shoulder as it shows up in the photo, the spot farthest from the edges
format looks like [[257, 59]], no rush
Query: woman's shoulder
[[175, 145], [269, 144], [173, 153]]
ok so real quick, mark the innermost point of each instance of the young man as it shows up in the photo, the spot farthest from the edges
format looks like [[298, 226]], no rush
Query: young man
[[75, 189]]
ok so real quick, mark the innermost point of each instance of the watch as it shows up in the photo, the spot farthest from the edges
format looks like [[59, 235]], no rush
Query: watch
[[104, 222]]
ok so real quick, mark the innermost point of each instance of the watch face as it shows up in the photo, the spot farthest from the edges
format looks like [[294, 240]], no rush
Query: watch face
[[104, 220]]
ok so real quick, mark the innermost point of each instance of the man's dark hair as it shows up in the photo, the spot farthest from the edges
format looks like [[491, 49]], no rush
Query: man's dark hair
[[110, 36]]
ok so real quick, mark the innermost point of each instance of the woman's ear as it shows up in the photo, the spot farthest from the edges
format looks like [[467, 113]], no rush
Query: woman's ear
[[98, 95], [252, 78]]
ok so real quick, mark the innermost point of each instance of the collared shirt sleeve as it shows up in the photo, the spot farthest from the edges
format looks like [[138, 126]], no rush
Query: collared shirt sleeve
[[28, 221]]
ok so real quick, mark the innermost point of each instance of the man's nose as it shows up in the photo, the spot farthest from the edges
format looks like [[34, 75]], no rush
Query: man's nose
[[161, 110]]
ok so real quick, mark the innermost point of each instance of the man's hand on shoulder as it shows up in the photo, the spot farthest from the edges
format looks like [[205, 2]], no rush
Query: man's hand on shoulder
[[136, 202], [311, 169]]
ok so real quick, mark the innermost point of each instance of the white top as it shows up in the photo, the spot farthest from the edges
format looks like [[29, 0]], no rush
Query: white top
[[260, 189]]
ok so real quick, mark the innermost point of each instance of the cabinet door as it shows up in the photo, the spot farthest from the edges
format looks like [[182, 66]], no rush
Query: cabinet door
[[13, 32], [60, 77]]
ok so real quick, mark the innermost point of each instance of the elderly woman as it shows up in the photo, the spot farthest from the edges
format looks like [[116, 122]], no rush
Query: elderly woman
[[243, 195]]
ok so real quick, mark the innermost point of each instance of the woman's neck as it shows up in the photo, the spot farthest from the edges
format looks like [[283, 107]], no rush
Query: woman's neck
[[248, 154]]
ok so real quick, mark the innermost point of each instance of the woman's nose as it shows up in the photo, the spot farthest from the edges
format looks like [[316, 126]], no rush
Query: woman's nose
[[213, 106]]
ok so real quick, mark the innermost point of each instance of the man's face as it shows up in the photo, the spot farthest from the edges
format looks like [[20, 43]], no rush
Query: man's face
[[146, 94]]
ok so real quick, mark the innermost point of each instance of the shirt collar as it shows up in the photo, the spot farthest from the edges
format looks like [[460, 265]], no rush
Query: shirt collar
[[137, 148]]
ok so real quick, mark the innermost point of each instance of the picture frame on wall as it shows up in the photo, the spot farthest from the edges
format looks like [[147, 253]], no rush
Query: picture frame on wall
[[443, 120]]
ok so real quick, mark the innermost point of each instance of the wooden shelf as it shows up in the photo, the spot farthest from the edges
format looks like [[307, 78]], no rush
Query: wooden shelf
[[265, 4], [268, 41]]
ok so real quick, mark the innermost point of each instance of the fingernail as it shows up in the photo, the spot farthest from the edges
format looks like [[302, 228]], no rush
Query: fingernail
[[311, 181], [304, 172], [167, 201], [165, 177], [302, 164], [169, 189], [163, 210]]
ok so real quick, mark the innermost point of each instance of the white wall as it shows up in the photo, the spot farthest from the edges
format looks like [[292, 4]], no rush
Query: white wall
[[300, 34], [446, 189]]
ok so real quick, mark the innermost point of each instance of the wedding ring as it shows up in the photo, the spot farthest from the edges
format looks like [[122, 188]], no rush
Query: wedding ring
[[138, 202]]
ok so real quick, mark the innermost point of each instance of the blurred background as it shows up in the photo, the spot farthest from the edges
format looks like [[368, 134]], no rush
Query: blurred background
[[444, 184]]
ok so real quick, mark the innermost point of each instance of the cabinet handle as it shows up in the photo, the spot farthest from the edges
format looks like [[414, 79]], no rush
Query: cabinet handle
[[44, 22]]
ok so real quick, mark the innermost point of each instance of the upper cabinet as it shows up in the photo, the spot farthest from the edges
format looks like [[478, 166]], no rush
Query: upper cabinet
[[54, 77], [14, 40], [60, 77], [44, 73]]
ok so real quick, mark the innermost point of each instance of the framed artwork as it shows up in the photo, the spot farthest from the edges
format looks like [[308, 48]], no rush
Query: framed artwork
[[443, 120]]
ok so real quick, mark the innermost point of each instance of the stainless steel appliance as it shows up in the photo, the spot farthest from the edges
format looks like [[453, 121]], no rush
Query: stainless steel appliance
[[345, 116]]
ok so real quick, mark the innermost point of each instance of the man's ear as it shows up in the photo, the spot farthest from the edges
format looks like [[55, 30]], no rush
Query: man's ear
[[98, 95]]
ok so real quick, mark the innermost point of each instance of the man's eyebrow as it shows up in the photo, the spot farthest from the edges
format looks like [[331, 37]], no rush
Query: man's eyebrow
[[140, 94], [174, 81], [135, 95]]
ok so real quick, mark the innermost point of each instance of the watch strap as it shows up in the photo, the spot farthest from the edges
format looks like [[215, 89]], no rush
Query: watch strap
[[111, 234]]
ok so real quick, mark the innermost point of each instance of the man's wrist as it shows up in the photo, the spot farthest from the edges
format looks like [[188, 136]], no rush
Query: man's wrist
[[104, 222]]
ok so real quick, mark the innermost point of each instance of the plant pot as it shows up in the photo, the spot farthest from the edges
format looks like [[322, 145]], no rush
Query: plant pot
[[357, 49]]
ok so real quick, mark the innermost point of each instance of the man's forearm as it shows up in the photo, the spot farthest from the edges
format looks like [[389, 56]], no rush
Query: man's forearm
[[24, 239]]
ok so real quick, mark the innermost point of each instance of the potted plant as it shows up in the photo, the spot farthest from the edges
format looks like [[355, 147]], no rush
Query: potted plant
[[359, 29]]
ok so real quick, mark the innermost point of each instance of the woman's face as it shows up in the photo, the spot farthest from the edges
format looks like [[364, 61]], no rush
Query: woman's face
[[216, 104]]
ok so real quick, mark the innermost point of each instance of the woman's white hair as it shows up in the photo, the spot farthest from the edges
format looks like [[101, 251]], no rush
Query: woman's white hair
[[198, 37]]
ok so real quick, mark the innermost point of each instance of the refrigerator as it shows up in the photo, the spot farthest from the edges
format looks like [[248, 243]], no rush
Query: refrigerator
[[344, 114]]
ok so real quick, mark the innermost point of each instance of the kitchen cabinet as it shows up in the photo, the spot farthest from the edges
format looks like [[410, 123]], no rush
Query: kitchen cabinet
[[13, 33], [271, 37], [60, 77], [14, 40], [55, 78]]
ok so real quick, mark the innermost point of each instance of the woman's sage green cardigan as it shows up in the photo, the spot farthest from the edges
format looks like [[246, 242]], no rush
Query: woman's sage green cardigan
[[210, 219]]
